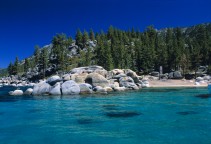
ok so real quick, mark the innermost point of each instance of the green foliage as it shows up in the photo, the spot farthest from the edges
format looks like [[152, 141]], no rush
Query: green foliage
[[43, 61], [26, 65], [59, 51], [172, 48], [16, 68], [3, 72]]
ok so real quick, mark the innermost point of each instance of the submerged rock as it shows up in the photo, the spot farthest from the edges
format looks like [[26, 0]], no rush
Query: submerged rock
[[70, 87], [122, 114]]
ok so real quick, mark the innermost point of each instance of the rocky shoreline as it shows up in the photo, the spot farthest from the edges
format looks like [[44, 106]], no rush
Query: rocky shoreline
[[88, 80], [82, 80]]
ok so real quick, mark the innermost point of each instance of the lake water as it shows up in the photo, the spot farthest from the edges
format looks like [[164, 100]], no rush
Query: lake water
[[148, 116]]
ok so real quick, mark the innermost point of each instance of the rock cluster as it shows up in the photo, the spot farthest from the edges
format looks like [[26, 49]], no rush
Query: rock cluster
[[15, 81], [87, 80]]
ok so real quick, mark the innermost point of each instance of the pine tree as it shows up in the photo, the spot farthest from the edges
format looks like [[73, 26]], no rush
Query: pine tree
[[16, 66], [91, 35], [85, 39], [43, 61], [37, 54], [26, 65], [79, 39], [10, 69]]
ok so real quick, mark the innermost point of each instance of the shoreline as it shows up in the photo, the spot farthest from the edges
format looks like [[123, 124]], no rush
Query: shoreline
[[175, 84]]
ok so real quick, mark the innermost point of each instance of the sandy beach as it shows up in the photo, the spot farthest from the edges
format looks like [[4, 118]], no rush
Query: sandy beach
[[175, 83]]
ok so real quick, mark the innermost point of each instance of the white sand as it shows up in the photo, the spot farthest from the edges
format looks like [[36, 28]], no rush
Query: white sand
[[175, 83]]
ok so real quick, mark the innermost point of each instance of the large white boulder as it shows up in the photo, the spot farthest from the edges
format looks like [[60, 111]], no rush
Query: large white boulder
[[16, 92], [41, 88], [55, 90], [70, 87], [29, 91], [85, 88], [96, 79]]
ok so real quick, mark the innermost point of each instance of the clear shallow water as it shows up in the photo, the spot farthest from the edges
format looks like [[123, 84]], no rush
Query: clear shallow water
[[148, 116]]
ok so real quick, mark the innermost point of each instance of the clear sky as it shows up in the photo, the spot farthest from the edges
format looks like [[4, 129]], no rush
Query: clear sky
[[26, 23]]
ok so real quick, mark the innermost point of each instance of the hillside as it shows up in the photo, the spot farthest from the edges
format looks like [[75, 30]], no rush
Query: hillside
[[183, 49]]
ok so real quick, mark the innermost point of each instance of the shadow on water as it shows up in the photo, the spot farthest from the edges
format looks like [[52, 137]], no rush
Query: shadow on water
[[187, 113], [204, 96], [122, 114], [1, 113]]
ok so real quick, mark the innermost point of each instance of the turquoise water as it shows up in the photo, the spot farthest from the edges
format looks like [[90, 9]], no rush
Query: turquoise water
[[148, 116]]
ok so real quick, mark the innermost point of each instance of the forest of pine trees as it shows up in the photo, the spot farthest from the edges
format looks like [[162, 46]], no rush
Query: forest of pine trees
[[182, 49]]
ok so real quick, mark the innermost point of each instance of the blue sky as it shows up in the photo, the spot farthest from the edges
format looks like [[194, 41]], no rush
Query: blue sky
[[26, 23]]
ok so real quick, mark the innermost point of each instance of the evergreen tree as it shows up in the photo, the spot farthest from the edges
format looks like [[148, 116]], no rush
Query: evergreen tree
[[91, 35], [85, 39], [16, 66], [26, 65], [43, 61], [79, 38], [37, 54], [10, 69]]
